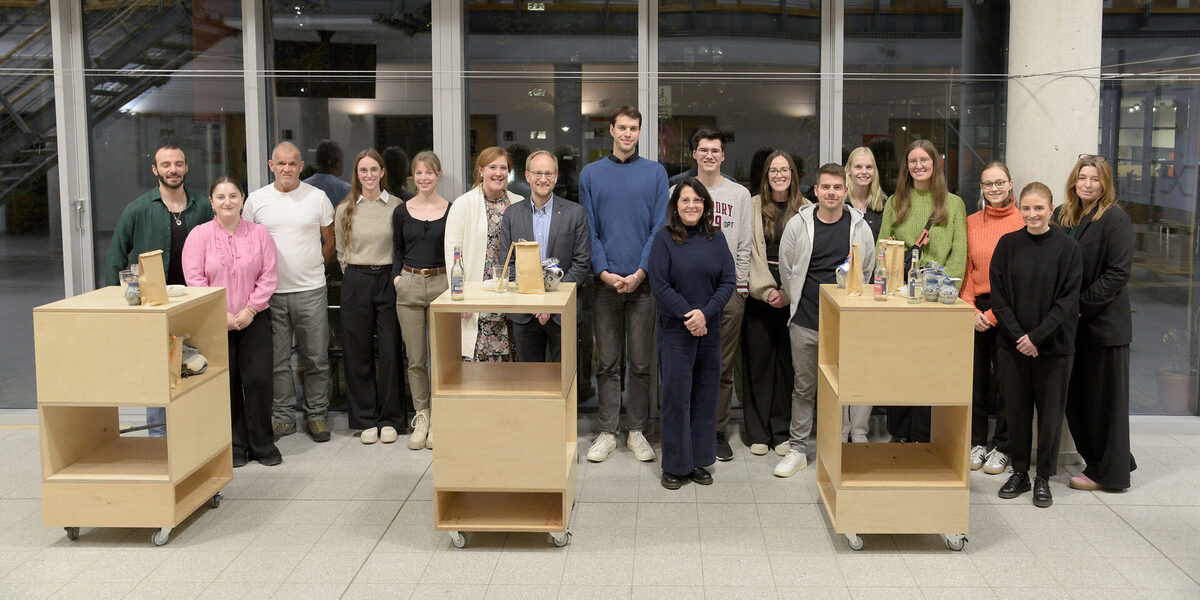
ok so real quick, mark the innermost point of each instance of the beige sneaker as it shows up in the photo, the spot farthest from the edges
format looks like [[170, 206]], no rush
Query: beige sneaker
[[759, 449], [603, 446], [429, 436], [388, 434], [370, 436], [782, 448], [420, 425], [792, 462], [640, 447]]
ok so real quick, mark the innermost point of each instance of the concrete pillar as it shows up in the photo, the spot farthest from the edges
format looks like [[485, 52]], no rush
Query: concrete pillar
[[1053, 100]]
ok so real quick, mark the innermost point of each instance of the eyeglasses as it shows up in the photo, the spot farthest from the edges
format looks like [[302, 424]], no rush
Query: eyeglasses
[[544, 174], [987, 185], [919, 161], [778, 172], [1095, 157], [709, 151], [369, 170]]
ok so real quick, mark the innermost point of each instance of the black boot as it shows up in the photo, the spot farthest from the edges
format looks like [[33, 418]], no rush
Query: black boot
[[701, 476], [1041, 493], [1016, 485], [724, 452], [671, 482]]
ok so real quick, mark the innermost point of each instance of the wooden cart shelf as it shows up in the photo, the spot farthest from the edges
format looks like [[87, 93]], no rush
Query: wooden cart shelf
[[523, 413], [95, 354], [892, 487]]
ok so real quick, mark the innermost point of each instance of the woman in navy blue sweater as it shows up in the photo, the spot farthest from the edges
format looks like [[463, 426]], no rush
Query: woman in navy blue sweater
[[692, 277]]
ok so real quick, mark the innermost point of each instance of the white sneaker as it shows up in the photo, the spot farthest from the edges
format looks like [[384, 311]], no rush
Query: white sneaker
[[420, 425], [370, 436], [429, 437], [793, 461], [388, 434], [603, 446], [758, 449], [640, 447], [859, 438], [783, 448], [978, 455], [997, 462]]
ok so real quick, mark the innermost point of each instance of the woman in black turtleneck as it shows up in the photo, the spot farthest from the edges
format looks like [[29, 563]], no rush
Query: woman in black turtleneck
[[692, 277], [1035, 275]]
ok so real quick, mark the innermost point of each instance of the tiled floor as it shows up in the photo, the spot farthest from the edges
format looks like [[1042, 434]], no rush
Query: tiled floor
[[343, 520]]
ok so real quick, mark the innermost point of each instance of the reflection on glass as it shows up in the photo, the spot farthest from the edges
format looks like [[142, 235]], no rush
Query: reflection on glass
[[30, 227], [1148, 132], [748, 68], [931, 70], [160, 72], [547, 76]]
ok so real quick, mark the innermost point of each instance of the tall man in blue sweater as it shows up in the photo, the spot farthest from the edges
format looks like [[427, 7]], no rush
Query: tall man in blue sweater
[[626, 201]]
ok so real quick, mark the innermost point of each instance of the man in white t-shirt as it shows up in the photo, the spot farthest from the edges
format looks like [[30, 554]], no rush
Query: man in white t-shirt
[[300, 219]]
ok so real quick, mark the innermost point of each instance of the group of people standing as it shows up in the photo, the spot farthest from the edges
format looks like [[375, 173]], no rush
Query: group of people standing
[[701, 263]]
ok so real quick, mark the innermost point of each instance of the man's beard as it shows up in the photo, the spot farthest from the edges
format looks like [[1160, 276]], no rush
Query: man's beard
[[163, 181]]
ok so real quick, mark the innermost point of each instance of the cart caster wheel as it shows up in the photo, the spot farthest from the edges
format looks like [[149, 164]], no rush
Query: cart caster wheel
[[458, 539], [955, 541], [72, 533], [854, 541], [215, 501], [162, 536], [561, 539]]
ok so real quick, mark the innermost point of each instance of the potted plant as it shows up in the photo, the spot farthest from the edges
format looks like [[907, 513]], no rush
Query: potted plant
[[1177, 382]]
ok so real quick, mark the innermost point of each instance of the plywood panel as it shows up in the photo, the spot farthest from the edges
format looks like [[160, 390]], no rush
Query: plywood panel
[[829, 427], [101, 358], [198, 426], [477, 299], [901, 511], [499, 511], [115, 504], [499, 444], [71, 433], [895, 466], [130, 459]]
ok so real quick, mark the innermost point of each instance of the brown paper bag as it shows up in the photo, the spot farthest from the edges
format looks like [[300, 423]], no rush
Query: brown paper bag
[[854, 277], [894, 261], [175, 360], [151, 279], [529, 268]]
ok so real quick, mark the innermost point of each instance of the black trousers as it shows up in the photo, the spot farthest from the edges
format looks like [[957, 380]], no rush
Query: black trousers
[[690, 371], [535, 340], [1028, 384], [1098, 413], [369, 310], [909, 422], [985, 396], [767, 366], [252, 388]]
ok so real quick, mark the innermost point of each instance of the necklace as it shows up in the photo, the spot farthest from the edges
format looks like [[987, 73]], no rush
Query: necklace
[[177, 215]]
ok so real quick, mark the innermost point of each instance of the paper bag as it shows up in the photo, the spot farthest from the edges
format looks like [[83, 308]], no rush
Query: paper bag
[[894, 262], [854, 277], [529, 268], [151, 279], [175, 360]]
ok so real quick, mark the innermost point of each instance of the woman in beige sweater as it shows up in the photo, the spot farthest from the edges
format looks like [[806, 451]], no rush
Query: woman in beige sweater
[[766, 348]]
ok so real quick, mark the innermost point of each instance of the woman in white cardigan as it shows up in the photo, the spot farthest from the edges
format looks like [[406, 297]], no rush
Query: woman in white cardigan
[[473, 224]]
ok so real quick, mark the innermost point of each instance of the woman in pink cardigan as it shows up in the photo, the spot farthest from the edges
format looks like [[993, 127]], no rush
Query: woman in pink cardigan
[[240, 257]]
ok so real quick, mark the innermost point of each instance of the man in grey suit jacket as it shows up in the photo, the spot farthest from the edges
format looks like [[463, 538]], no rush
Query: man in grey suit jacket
[[561, 230]]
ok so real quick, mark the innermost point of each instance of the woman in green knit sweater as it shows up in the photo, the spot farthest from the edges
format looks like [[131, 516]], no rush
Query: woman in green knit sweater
[[922, 202]]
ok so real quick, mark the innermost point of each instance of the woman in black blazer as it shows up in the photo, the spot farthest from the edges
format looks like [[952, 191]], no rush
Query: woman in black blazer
[[1098, 398]]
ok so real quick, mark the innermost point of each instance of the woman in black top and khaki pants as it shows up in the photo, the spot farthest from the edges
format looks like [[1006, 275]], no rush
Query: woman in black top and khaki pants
[[419, 274]]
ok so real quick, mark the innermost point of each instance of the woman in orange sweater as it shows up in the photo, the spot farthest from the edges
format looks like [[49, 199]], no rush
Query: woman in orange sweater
[[984, 228]]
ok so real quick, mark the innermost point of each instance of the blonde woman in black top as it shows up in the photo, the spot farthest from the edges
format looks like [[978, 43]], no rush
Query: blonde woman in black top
[[419, 274]]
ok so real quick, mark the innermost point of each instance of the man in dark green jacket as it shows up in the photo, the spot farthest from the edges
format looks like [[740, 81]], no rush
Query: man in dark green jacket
[[160, 219]]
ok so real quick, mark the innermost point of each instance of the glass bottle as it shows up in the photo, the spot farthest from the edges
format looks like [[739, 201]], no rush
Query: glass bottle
[[915, 281], [880, 276], [457, 274]]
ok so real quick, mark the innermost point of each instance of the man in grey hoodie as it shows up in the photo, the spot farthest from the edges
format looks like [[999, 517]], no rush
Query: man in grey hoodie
[[814, 243]]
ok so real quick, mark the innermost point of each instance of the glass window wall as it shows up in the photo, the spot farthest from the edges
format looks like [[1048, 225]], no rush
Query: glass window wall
[[31, 260], [750, 68], [1149, 108]]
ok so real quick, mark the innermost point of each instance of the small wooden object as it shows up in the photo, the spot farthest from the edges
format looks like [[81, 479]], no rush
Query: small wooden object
[[854, 279], [175, 361], [529, 267], [151, 279], [894, 261]]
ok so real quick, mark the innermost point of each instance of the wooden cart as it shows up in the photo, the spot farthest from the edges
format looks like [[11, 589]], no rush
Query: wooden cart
[[896, 354], [96, 353], [506, 452]]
